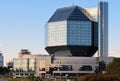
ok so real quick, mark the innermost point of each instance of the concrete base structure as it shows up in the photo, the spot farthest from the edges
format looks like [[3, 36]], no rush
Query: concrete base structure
[[46, 65]]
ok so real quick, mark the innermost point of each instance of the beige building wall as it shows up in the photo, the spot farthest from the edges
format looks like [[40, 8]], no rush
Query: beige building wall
[[42, 63]]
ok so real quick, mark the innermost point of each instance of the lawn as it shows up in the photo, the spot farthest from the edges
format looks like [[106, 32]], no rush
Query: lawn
[[27, 79], [16, 79]]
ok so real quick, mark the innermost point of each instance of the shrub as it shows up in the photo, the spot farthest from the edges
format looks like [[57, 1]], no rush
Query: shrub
[[100, 77]]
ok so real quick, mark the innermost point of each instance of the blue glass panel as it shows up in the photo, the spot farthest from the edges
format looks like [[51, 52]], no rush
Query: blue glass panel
[[68, 13]]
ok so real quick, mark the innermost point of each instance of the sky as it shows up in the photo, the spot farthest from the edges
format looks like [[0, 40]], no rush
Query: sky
[[22, 24]]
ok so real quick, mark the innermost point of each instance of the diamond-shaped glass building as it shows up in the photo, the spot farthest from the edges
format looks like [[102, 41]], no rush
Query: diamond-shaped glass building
[[72, 31]]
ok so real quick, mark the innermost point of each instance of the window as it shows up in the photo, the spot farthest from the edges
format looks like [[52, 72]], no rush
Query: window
[[56, 33], [79, 33]]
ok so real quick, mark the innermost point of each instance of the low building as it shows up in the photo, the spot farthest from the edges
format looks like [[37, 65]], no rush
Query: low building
[[1, 60], [27, 64], [42, 65]]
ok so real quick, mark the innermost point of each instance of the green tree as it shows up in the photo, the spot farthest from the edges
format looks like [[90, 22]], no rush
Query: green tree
[[102, 66], [114, 66], [4, 70]]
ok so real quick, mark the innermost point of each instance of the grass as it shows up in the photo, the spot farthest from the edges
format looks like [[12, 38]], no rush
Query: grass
[[16, 79], [27, 79], [65, 80]]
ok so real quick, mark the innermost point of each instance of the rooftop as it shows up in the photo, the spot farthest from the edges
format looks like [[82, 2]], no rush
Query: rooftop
[[71, 13]]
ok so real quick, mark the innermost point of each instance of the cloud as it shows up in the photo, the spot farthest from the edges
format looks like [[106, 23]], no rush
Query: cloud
[[114, 52]]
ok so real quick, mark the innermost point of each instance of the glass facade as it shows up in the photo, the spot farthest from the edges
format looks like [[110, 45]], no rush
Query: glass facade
[[57, 33], [103, 29], [72, 34], [24, 65], [75, 62], [32, 63], [20, 65], [79, 33], [69, 33], [95, 35]]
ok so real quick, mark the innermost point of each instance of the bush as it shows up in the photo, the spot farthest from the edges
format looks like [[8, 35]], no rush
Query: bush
[[114, 66], [100, 77]]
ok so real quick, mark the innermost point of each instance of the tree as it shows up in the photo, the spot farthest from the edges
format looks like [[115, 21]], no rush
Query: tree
[[114, 66], [4, 70], [102, 66]]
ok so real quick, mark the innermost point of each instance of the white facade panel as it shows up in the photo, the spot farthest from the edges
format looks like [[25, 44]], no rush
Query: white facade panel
[[57, 33], [92, 12]]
